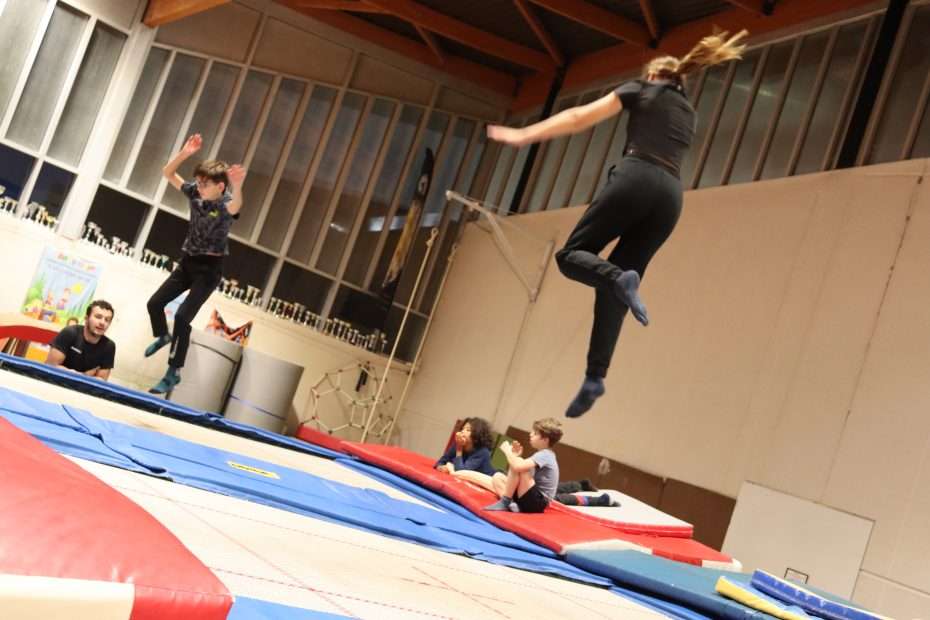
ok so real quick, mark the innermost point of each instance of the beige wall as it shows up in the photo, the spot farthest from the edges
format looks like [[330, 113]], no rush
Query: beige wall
[[789, 346]]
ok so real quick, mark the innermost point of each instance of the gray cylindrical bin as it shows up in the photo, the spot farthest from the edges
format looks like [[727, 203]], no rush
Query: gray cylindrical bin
[[263, 391], [208, 372]]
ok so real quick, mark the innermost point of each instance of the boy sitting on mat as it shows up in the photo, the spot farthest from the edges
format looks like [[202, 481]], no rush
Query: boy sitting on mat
[[530, 483]]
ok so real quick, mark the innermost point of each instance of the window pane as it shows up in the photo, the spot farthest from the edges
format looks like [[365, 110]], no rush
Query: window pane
[[440, 265], [166, 122], [51, 189], [19, 22], [736, 98], [828, 113], [505, 159], [410, 339], [571, 164], [796, 105], [247, 265], [385, 188], [245, 117], [593, 164], [267, 154], [83, 105], [213, 102], [136, 113], [466, 178], [47, 78], [295, 171], [364, 311], [322, 191], [510, 189], [710, 95], [167, 235], [447, 172], [922, 143], [435, 128], [350, 198], [15, 168], [435, 202], [467, 175], [763, 106], [117, 214], [296, 285], [547, 165], [909, 77]]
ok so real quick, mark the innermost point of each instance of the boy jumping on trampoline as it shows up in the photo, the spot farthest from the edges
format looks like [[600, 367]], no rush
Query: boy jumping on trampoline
[[215, 200]]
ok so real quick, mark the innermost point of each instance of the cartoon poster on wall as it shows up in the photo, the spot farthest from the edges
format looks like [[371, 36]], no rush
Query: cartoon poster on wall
[[62, 288]]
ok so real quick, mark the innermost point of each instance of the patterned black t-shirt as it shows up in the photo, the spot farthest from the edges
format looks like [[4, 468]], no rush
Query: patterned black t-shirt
[[211, 220]]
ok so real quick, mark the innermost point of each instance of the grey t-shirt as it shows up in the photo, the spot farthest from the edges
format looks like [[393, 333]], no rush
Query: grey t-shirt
[[547, 472], [208, 232]]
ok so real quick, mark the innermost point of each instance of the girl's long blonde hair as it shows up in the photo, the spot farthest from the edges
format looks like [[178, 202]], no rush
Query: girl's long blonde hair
[[709, 51]]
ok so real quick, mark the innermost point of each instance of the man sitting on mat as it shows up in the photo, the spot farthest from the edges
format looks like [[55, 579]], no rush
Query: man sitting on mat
[[85, 348]]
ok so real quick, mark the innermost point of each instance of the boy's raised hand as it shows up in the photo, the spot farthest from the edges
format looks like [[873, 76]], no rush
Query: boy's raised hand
[[516, 448], [236, 174], [193, 144]]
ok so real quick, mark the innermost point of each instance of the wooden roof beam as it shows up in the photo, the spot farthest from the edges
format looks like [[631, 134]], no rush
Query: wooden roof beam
[[356, 6], [161, 12], [465, 34], [649, 14], [540, 30], [602, 20], [621, 59], [430, 39], [753, 6], [491, 79]]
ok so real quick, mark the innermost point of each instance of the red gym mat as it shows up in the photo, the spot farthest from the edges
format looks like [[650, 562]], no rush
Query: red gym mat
[[57, 520], [558, 528]]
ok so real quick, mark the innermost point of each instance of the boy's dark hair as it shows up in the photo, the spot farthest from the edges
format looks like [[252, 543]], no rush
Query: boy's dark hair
[[103, 305], [213, 170], [550, 428], [481, 435]]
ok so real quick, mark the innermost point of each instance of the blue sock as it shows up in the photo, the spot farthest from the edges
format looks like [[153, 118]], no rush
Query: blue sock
[[591, 390], [626, 290]]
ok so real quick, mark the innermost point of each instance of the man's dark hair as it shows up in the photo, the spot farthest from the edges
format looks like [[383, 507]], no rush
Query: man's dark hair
[[103, 305]]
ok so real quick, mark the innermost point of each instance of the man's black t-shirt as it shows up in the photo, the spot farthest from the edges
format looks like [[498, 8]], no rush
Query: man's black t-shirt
[[81, 355], [662, 119]]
